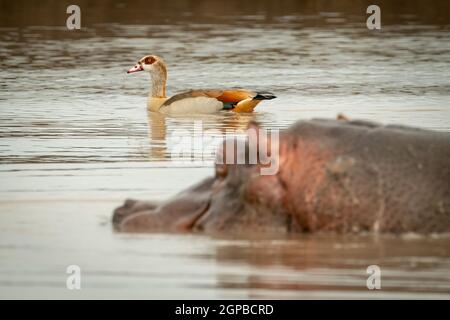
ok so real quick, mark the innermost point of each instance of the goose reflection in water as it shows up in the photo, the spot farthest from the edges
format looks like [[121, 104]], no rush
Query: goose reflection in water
[[166, 132]]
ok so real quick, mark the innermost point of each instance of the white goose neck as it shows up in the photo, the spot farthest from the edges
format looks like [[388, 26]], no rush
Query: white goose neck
[[159, 79]]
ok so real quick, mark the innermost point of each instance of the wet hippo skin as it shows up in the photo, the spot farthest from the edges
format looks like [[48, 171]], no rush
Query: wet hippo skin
[[334, 176]]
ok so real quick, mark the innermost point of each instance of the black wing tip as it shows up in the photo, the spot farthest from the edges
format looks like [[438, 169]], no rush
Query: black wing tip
[[264, 96]]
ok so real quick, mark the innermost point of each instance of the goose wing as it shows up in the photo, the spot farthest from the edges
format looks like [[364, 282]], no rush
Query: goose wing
[[239, 100]]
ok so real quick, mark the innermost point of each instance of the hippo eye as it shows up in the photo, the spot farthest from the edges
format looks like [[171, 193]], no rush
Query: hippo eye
[[221, 171]]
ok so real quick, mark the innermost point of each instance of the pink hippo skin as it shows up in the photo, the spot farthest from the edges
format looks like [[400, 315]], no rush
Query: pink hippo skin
[[334, 176]]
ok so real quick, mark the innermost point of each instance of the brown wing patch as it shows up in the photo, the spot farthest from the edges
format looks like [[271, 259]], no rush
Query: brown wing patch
[[235, 95], [231, 95]]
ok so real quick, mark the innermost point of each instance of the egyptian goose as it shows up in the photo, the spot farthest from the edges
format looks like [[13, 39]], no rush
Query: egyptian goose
[[194, 101]]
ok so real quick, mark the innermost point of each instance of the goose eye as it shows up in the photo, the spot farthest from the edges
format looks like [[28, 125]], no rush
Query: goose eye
[[221, 171]]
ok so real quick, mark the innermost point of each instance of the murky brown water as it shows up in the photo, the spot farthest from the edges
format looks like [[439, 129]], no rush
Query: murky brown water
[[76, 139]]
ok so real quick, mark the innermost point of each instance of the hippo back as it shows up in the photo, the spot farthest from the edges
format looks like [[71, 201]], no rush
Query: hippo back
[[357, 175]]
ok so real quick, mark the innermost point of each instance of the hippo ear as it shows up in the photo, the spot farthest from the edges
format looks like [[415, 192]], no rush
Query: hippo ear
[[265, 143], [256, 134], [342, 117]]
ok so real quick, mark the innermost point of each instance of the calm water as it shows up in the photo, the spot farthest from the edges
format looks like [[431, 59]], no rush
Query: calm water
[[76, 139]]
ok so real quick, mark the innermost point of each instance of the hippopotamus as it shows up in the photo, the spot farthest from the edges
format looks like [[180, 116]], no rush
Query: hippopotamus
[[334, 176]]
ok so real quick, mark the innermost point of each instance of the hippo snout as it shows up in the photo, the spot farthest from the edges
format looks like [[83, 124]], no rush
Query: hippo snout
[[176, 214]]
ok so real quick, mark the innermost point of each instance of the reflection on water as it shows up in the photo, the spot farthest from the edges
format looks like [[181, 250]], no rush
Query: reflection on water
[[65, 96], [208, 130], [74, 127], [35, 254]]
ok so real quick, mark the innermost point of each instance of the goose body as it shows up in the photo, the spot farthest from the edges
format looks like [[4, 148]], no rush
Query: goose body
[[194, 101]]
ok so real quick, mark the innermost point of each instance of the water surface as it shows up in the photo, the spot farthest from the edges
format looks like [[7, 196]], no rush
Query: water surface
[[76, 139]]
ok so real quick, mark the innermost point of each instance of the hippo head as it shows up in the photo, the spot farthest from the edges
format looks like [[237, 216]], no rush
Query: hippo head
[[333, 175], [244, 194]]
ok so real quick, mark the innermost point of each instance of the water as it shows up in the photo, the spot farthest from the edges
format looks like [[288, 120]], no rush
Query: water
[[76, 139]]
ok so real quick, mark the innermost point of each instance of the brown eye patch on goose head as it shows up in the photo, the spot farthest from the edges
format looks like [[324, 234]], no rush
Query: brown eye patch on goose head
[[149, 60]]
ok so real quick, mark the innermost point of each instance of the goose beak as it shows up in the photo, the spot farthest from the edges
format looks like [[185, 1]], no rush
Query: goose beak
[[136, 68]]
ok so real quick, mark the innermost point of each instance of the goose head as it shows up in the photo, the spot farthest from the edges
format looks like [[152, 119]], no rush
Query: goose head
[[157, 68], [148, 63]]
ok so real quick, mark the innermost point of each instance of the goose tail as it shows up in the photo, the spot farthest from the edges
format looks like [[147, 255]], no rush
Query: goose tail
[[264, 96]]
